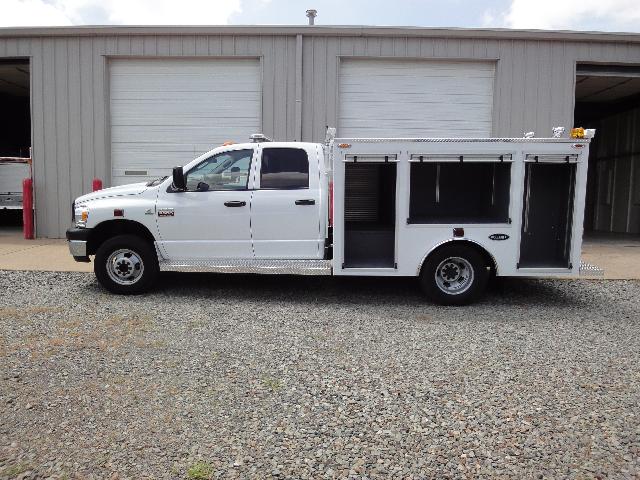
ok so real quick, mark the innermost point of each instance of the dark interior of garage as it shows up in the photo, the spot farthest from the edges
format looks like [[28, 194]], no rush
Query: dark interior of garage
[[608, 99], [15, 138]]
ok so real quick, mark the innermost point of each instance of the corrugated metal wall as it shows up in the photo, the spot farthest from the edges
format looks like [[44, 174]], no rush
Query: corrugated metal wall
[[70, 91], [617, 162], [534, 89]]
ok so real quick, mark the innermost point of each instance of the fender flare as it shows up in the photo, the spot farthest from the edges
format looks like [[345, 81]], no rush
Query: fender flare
[[112, 227], [478, 246]]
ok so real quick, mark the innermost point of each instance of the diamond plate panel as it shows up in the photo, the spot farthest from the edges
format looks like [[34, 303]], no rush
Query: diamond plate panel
[[248, 265]]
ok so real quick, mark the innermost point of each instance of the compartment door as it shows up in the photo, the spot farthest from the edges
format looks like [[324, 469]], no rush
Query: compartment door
[[370, 212], [547, 215]]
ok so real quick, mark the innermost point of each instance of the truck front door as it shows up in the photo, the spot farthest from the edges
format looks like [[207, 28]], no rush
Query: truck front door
[[211, 219], [285, 209]]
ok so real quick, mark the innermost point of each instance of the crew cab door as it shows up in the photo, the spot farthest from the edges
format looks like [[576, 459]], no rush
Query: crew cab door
[[212, 218], [285, 210]]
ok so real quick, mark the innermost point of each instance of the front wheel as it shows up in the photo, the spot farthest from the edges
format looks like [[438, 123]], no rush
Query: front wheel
[[126, 264], [454, 275]]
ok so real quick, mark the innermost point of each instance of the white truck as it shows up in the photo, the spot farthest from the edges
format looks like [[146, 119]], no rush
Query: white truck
[[13, 171], [451, 212]]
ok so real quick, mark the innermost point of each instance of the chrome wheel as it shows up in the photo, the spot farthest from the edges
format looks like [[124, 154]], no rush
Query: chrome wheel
[[125, 267], [454, 275]]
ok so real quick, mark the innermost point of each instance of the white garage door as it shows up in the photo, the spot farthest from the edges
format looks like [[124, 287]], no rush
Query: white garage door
[[421, 98], [166, 112]]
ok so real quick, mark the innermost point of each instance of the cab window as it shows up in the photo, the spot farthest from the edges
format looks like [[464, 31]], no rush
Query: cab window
[[284, 169], [223, 171]]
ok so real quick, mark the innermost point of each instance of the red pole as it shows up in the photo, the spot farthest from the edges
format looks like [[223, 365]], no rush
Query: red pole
[[97, 184], [27, 208]]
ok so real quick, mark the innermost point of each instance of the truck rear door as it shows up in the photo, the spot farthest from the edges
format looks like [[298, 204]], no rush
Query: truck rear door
[[285, 207]]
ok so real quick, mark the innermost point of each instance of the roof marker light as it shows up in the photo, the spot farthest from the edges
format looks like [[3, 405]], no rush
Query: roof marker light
[[259, 137], [577, 132]]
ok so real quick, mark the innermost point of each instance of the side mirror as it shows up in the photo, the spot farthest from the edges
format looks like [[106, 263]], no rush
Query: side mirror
[[178, 179]]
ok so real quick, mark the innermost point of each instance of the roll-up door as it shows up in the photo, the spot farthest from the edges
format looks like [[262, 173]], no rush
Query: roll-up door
[[165, 112], [415, 98]]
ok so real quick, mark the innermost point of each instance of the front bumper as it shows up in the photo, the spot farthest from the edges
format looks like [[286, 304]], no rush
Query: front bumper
[[78, 239]]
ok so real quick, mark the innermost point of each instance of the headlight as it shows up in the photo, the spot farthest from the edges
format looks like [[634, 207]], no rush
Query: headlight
[[81, 214]]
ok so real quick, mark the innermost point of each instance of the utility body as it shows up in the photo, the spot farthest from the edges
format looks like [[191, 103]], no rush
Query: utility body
[[452, 212]]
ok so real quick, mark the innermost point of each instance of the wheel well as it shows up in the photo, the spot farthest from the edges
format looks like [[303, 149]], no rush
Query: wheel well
[[488, 258], [105, 230]]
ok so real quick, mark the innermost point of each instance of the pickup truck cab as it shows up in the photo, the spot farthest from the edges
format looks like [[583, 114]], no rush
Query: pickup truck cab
[[451, 212], [242, 206]]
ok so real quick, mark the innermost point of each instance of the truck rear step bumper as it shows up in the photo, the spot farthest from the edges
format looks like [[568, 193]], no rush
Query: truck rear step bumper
[[249, 265]]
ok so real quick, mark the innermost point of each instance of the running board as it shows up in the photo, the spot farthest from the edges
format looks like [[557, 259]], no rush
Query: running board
[[249, 265]]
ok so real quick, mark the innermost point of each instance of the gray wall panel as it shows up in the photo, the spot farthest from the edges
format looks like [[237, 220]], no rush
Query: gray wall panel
[[534, 86], [48, 219], [63, 165], [618, 149]]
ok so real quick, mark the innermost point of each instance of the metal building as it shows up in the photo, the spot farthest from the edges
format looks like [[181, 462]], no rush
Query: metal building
[[127, 103]]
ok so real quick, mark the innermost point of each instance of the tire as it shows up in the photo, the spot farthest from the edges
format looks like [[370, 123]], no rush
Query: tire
[[126, 265], [454, 275]]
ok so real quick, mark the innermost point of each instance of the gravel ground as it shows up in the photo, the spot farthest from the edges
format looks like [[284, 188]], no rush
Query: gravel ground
[[258, 377]]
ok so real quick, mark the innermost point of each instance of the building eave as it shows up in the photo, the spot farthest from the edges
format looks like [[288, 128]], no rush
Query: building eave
[[320, 30]]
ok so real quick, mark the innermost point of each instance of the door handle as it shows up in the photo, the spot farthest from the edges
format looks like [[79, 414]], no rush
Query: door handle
[[235, 203], [306, 202]]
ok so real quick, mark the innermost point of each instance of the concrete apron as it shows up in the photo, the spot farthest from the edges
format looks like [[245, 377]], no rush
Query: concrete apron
[[620, 258], [43, 254]]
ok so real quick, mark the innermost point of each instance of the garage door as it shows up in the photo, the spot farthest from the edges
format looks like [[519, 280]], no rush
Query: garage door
[[167, 112], [382, 98]]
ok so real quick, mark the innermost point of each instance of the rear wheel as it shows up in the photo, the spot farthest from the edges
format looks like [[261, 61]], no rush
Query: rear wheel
[[126, 264], [454, 275]]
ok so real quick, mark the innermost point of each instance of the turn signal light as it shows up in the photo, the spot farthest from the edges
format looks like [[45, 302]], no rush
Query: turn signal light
[[458, 232], [577, 132], [227, 143], [344, 145]]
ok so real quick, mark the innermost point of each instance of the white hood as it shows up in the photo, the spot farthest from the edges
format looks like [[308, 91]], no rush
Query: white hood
[[122, 190]]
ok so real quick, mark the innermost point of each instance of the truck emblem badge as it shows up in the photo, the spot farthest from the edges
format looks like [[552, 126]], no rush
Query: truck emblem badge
[[149, 211], [166, 212], [498, 236]]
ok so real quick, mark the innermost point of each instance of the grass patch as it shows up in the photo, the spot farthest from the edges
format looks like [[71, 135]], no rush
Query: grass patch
[[200, 471], [272, 384], [14, 470]]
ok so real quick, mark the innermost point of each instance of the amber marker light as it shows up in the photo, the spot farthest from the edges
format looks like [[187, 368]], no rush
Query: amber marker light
[[577, 132]]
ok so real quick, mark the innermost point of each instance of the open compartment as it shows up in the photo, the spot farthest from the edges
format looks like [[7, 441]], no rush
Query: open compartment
[[369, 215], [547, 216], [459, 192]]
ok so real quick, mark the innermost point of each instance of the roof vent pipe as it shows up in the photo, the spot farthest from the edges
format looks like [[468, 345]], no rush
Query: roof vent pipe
[[311, 15]]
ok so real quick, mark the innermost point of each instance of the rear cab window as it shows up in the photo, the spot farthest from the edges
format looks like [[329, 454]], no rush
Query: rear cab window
[[284, 169]]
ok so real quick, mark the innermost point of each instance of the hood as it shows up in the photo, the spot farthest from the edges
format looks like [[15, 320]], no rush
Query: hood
[[122, 190]]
